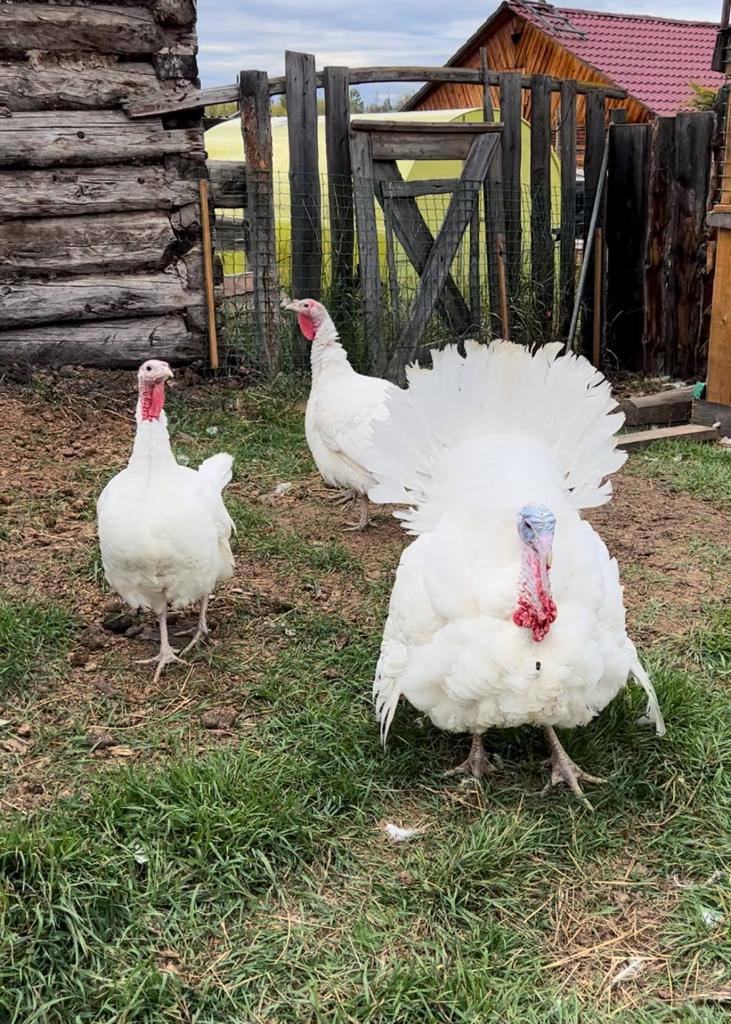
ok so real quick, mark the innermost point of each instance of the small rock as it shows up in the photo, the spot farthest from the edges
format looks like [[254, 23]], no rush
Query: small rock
[[121, 751], [330, 673], [118, 622], [108, 689], [92, 639], [68, 453], [13, 746], [405, 878], [98, 738], [25, 730], [219, 718], [5, 499], [78, 658]]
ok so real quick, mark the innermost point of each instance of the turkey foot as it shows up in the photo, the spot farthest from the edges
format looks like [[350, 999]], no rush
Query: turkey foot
[[363, 519], [342, 497], [477, 762], [201, 630], [565, 771], [166, 655]]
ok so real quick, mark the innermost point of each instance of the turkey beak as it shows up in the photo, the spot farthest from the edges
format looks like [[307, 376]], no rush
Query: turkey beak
[[294, 306], [549, 559]]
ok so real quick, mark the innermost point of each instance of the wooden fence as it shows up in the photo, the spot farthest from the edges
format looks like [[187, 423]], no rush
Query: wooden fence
[[643, 305]]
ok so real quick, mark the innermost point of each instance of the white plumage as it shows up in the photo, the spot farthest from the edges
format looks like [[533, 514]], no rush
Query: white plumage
[[163, 528], [342, 408], [496, 453]]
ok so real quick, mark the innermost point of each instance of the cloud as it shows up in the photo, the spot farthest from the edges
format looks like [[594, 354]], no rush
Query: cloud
[[238, 34]]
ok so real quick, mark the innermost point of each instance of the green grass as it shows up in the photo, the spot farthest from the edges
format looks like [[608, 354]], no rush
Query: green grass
[[35, 636], [255, 884], [703, 470]]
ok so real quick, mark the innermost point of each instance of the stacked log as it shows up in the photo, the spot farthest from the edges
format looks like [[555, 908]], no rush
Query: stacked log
[[99, 217]]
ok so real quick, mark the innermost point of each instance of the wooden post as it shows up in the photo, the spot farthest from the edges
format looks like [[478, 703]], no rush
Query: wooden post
[[595, 144], [567, 146], [626, 238], [494, 207], [208, 273], [339, 171], [540, 216], [361, 155], [257, 132], [598, 309], [659, 280], [718, 379], [304, 179], [511, 114]]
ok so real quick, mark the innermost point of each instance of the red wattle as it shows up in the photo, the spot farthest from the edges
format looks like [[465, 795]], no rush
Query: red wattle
[[153, 400], [306, 326], [538, 616]]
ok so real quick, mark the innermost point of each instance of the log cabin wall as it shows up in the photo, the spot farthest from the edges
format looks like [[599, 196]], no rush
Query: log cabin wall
[[515, 44], [100, 239]]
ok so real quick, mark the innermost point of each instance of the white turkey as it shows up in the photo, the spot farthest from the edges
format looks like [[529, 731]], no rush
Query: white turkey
[[341, 410], [507, 609], [163, 528]]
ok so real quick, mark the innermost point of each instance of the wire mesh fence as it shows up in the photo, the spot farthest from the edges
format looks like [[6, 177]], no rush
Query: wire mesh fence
[[416, 310]]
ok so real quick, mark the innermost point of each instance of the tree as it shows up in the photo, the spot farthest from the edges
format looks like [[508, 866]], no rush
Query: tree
[[221, 110], [703, 97], [279, 106], [357, 106]]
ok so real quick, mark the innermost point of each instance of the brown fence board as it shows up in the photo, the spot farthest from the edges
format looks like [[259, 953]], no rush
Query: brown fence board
[[567, 148], [540, 217], [340, 184], [304, 178], [594, 152]]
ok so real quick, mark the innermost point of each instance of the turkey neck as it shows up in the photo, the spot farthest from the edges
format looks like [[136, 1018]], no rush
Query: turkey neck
[[151, 448], [327, 356]]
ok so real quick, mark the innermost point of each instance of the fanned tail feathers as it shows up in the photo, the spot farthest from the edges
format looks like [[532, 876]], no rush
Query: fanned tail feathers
[[653, 712], [499, 390]]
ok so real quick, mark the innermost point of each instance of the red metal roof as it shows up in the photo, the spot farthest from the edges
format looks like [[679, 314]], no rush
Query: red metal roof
[[654, 59]]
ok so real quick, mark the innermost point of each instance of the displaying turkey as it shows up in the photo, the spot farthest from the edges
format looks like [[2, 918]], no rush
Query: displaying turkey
[[507, 609], [163, 528], [341, 410]]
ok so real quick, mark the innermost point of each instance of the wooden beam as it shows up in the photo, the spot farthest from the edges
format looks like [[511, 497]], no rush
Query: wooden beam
[[108, 344], [228, 183], [359, 76], [81, 84], [208, 274], [75, 191], [711, 414], [67, 28], [658, 278], [94, 297], [596, 138], [493, 204], [256, 128], [687, 432], [666, 408], [48, 138], [85, 245], [567, 148], [427, 127], [340, 180], [304, 180], [428, 187]]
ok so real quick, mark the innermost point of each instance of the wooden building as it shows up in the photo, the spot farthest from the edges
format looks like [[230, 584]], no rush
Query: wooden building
[[99, 214], [654, 59]]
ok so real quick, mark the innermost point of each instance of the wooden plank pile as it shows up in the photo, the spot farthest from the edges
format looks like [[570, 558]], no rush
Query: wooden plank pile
[[99, 216]]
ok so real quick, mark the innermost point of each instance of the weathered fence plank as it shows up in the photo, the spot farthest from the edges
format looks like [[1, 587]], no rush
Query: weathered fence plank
[[458, 216], [109, 344], [511, 112], [75, 86], [340, 183], [46, 138], [257, 133], [626, 238], [540, 217], [416, 238], [593, 156], [659, 280], [304, 178], [392, 140], [567, 148], [494, 208], [84, 245], [106, 29], [361, 156], [693, 136], [83, 190]]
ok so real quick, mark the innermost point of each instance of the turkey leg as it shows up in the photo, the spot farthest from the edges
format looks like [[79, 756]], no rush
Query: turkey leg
[[363, 519], [201, 629], [564, 770], [167, 654], [477, 762], [342, 497]]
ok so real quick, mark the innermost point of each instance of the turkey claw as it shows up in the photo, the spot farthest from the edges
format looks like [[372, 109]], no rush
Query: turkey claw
[[477, 764], [565, 772], [163, 659], [198, 635]]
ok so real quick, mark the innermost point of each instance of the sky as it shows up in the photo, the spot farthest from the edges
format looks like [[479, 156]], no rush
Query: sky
[[253, 34]]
